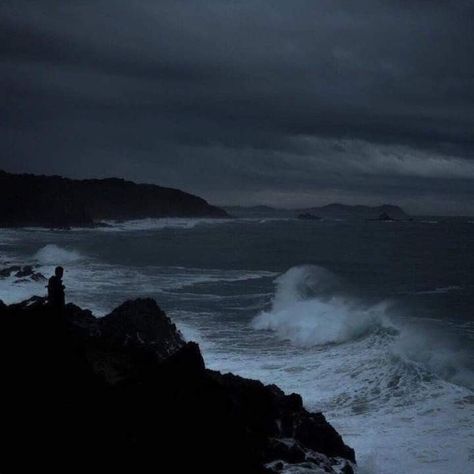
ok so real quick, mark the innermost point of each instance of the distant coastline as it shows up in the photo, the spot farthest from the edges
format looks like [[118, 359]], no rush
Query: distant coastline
[[330, 211]]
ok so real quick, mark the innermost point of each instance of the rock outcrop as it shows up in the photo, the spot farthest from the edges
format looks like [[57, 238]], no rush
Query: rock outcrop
[[21, 273], [126, 393], [53, 201], [384, 217], [306, 216]]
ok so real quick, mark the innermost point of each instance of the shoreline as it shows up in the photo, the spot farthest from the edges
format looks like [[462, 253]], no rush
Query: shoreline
[[137, 353]]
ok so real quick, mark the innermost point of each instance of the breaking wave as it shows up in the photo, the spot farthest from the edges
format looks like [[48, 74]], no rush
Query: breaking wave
[[442, 357], [310, 309], [53, 255]]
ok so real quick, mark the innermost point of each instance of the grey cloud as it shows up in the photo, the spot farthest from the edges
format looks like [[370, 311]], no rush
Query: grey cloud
[[369, 99]]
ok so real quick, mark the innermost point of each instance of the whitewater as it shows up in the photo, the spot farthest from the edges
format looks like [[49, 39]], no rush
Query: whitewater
[[368, 325]]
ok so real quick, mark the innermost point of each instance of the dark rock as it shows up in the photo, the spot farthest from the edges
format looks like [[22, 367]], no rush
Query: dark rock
[[125, 393], [289, 450], [142, 323], [22, 273], [279, 465], [22, 280], [52, 201], [187, 359], [6, 272], [33, 303], [347, 469], [38, 276], [313, 431], [82, 320], [26, 271], [308, 217], [330, 211], [357, 212], [384, 217]]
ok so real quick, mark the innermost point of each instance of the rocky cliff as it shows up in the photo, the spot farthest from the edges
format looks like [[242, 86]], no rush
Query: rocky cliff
[[126, 393], [53, 201]]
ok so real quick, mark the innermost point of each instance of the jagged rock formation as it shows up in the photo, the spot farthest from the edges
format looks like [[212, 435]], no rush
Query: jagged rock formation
[[126, 393], [21, 273], [53, 201]]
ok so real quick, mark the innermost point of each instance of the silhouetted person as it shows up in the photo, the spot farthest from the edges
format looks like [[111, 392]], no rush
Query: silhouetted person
[[56, 290]]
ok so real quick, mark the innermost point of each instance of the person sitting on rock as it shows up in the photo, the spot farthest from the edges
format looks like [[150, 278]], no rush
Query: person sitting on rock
[[56, 289]]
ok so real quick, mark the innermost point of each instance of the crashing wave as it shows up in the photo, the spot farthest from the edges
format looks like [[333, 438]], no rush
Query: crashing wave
[[53, 255], [309, 309]]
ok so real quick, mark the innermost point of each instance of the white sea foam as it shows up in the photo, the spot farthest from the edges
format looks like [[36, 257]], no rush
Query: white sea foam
[[407, 387], [12, 291], [182, 223], [306, 310], [51, 254], [310, 309], [438, 355], [388, 391], [157, 224]]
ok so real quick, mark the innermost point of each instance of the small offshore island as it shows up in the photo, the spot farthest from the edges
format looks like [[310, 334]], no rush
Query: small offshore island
[[126, 392]]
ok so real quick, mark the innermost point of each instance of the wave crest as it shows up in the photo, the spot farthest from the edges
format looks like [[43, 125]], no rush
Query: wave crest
[[309, 309], [51, 254]]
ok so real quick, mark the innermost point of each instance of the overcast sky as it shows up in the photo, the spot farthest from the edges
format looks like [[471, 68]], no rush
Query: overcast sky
[[281, 102]]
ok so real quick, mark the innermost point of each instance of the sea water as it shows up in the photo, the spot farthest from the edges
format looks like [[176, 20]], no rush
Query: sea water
[[371, 322]]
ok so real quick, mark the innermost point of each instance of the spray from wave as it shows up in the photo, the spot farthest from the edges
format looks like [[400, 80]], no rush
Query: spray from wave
[[53, 255], [310, 309], [444, 357]]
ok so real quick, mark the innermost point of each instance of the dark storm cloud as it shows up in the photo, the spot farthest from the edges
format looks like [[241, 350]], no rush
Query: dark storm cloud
[[293, 103]]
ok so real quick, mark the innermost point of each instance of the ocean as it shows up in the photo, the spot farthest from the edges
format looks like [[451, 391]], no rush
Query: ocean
[[371, 322]]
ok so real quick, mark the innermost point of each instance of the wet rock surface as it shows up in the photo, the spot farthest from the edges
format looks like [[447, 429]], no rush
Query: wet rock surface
[[126, 393], [21, 273]]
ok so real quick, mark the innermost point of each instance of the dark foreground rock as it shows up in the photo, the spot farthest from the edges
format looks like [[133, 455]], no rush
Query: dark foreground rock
[[53, 201], [126, 393]]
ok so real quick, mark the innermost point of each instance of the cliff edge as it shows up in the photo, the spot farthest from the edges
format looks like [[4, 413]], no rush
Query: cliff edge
[[126, 393]]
